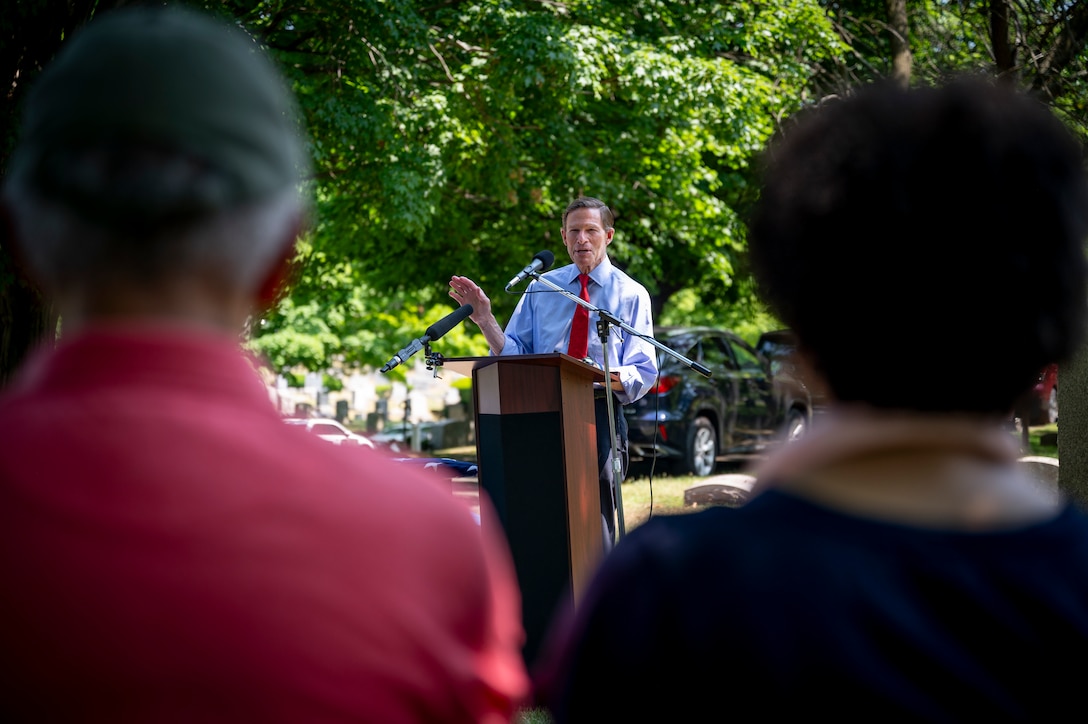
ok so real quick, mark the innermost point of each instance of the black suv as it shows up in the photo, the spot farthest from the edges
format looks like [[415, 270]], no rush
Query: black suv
[[691, 422]]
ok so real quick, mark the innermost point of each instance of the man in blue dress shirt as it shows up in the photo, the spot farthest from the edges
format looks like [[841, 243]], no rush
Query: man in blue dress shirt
[[542, 322]]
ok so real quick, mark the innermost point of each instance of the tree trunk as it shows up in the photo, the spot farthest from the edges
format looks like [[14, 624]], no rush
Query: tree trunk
[[902, 59], [1073, 427], [1004, 50]]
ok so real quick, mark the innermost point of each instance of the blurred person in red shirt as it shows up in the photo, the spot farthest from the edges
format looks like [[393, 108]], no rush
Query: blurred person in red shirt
[[171, 549]]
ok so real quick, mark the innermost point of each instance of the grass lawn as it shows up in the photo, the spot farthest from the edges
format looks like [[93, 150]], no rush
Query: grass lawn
[[660, 494], [1044, 440]]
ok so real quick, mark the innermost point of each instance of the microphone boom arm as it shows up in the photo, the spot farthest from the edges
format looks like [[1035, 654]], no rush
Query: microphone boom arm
[[614, 321]]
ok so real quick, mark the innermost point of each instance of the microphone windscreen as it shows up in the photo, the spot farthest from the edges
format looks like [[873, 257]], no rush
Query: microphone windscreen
[[448, 322]]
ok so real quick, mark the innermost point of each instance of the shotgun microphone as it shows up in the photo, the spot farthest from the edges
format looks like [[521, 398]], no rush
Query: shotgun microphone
[[435, 331]]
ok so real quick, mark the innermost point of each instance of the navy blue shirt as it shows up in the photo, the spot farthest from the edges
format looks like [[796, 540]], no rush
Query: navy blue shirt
[[785, 608]]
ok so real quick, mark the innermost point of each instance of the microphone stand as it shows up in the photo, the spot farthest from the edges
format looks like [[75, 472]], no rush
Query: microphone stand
[[605, 320], [433, 360]]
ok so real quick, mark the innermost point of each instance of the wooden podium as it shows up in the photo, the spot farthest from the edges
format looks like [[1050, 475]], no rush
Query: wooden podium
[[536, 453]]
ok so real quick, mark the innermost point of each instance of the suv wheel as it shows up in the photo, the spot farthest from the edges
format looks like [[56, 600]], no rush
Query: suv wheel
[[796, 425], [701, 454]]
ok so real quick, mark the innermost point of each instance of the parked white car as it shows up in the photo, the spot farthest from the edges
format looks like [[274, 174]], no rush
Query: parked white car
[[331, 430]]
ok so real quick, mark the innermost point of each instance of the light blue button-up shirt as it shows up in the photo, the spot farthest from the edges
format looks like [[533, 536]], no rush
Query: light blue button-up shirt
[[541, 324]]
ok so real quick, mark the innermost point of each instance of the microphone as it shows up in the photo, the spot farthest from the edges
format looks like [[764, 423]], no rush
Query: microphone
[[435, 331], [451, 320], [541, 262]]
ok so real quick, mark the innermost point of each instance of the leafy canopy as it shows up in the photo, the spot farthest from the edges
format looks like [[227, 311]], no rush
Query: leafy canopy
[[448, 138]]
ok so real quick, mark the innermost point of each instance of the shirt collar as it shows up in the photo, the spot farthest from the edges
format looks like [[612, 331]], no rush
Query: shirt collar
[[599, 274]]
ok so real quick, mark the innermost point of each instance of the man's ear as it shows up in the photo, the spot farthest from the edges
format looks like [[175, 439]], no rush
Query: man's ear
[[283, 273]]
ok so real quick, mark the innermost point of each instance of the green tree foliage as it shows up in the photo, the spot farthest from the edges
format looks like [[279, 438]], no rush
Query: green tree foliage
[[1040, 46], [448, 138]]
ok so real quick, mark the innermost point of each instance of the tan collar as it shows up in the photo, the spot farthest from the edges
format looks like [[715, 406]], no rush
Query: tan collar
[[936, 470]]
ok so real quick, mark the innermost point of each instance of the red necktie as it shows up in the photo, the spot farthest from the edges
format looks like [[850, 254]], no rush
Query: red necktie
[[578, 346]]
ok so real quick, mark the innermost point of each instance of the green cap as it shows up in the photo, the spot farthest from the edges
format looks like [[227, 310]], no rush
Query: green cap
[[170, 80]]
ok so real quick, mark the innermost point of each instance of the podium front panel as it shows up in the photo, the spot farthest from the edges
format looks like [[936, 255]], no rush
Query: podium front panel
[[530, 500], [518, 388], [537, 460]]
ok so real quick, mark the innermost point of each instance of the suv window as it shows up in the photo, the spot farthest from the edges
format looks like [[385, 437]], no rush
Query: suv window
[[714, 355], [747, 359]]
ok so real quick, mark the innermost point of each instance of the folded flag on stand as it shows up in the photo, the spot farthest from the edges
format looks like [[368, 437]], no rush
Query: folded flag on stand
[[448, 466]]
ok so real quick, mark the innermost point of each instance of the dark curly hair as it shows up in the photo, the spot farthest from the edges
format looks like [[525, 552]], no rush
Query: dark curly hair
[[926, 245]]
